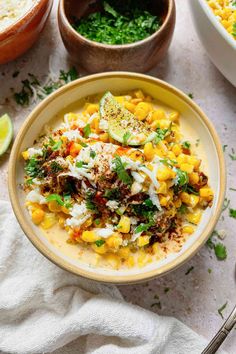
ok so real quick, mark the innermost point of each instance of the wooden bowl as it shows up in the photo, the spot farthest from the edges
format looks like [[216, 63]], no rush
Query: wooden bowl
[[119, 82], [21, 35], [97, 57]]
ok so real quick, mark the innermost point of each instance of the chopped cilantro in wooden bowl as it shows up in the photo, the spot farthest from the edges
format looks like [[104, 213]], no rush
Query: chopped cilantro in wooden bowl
[[117, 35]]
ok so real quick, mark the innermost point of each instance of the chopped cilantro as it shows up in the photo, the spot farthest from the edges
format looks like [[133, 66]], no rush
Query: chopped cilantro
[[29, 181], [181, 178], [233, 189], [99, 243], [189, 270], [90, 205], [190, 95], [225, 204], [122, 174], [166, 290], [221, 309], [68, 76], [119, 22], [87, 130], [55, 167], [161, 134], [168, 162], [192, 190], [233, 155], [112, 194], [126, 137], [143, 227], [182, 209], [55, 145], [83, 144], [224, 147], [232, 213], [197, 142], [186, 145], [148, 203], [97, 221], [209, 270], [220, 251], [158, 304], [15, 74], [55, 197], [33, 168], [92, 154]]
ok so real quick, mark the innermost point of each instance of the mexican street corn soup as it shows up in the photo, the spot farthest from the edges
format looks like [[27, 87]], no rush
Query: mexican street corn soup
[[225, 12], [116, 184]]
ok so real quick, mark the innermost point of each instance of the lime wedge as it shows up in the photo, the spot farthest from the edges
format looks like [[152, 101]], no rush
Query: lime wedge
[[122, 125], [6, 133]]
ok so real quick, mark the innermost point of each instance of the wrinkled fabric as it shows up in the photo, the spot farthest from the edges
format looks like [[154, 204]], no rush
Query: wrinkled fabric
[[43, 308]]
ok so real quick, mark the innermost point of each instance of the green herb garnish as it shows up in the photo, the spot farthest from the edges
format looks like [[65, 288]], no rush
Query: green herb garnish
[[90, 204], [160, 135], [33, 168], [181, 178], [186, 145], [92, 154], [119, 22], [55, 167], [122, 174], [220, 251], [99, 243], [87, 130], [126, 137], [143, 227], [232, 213], [182, 209], [112, 194], [56, 198], [189, 270], [221, 309], [190, 95]]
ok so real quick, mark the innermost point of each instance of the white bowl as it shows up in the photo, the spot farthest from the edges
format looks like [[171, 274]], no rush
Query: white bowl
[[218, 43]]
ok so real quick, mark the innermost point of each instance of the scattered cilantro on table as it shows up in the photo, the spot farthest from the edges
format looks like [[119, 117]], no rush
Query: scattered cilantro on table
[[221, 309], [189, 270], [232, 213]]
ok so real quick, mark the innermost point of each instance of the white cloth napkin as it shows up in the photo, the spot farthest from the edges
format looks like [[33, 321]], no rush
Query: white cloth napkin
[[43, 308]]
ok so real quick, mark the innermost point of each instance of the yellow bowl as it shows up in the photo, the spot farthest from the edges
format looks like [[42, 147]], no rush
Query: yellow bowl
[[192, 117]]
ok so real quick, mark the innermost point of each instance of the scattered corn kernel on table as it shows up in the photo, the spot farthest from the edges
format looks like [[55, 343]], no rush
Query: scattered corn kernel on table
[[196, 292]]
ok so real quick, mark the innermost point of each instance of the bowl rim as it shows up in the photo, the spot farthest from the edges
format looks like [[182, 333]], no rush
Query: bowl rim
[[105, 278], [15, 26], [219, 27], [171, 11]]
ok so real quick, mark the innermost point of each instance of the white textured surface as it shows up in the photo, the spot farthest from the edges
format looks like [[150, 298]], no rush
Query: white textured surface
[[192, 298]]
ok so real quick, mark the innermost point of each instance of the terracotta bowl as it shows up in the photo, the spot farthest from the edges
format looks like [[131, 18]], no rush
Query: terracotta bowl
[[21, 35], [97, 57], [192, 117]]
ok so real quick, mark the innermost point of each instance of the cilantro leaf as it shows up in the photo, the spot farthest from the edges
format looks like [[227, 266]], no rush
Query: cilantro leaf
[[99, 243], [126, 137], [122, 174], [220, 251], [87, 130], [33, 167], [161, 134], [92, 154], [232, 213], [221, 309], [143, 227], [55, 197], [181, 178], [186, 145]]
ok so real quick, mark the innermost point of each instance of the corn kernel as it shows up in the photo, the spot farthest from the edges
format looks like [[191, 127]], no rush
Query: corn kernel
[[92, 108], [194, 161], [130, 262], [54, 206], [194, 200], [48, 221], [114, 241], [182, 158], [163, 173], [188, 229], [185, 197], [194, 218], [124, 252], [193, 178], [174, 117], [130, 106], [186, 167], [75, 149], [124, 224], [178, 203], [25, 155], [176, 149], [164, 123], [139, 94], [140, 114], [38, 216], [143, 241], [158, 114], [149, 151], [163, 188], [89, 236], [61, 222], [206, 192], [99, 249], [104, 137], [143, 259], [163, 201]]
